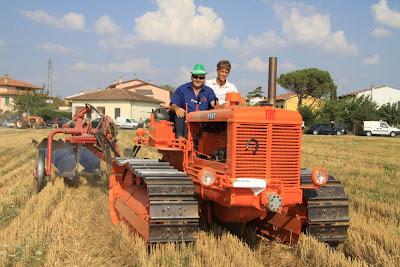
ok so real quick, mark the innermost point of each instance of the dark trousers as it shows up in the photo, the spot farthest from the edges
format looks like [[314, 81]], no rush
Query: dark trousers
[[180, 127]]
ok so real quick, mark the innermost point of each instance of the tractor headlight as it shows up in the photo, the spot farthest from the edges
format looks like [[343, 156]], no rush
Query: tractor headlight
[[319, 176], [274, 202], [207, 176]]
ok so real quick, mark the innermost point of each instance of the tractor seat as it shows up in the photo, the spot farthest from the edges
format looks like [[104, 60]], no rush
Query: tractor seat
[[161, 114]]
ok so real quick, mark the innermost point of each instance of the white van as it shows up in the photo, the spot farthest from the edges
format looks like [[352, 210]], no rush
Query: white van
[[379, 128], [126, 123]]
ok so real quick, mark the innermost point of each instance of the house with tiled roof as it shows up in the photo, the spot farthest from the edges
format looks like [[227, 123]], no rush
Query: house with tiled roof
[[144, 88], [9, 88], [116, 103], [379, 94]]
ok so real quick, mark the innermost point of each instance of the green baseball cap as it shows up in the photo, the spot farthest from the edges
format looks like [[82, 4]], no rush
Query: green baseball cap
[[198, 69]]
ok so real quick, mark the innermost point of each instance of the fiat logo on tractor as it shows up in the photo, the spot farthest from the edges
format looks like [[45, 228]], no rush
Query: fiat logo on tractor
[[212, 116]]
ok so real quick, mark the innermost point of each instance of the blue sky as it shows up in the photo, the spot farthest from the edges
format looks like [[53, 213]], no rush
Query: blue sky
[[92, 43]]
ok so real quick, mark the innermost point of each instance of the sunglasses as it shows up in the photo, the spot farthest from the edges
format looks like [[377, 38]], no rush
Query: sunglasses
[[198, 77]]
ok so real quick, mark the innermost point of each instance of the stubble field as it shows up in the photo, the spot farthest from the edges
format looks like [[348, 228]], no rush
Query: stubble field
[[70, 226]]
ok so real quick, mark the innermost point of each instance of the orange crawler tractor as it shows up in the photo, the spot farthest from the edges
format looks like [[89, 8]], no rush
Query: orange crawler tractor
[[237, 165], [240, 164]]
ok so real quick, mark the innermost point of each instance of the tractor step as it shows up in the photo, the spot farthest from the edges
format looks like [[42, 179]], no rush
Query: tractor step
[[328, 210]]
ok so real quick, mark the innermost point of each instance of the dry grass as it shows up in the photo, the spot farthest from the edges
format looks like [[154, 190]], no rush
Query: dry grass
[[70, 226]]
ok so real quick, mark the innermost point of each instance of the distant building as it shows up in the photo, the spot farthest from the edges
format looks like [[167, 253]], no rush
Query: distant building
[[289, 101], [9, 88], [380, 94], [144, 88], [255, 100], [116, 103]]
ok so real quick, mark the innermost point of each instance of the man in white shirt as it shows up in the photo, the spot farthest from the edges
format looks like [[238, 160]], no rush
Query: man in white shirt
[[220, 85]]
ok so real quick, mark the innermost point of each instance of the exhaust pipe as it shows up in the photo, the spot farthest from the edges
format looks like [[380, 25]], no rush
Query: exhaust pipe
[[272, 81]]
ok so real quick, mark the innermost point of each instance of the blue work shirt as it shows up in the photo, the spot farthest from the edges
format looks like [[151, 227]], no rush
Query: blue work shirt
[[184, 94]]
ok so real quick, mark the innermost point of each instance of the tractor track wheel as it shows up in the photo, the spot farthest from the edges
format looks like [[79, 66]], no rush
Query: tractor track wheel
[[40, 171]]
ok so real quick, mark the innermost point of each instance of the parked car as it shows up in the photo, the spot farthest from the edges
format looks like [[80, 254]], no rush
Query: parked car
[[126, 123], [379, 128], [10, 121], [60, 121], [141, 125], [50, 123], [326, 128]]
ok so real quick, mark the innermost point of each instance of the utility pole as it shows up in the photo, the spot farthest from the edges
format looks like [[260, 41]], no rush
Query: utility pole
[[50, 78]]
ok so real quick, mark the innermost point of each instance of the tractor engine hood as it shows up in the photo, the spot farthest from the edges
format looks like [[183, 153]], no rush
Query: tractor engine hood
[[260, 114]]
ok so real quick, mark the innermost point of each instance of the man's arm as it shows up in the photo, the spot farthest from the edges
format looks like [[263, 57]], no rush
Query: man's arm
[[216, 105], [176, 102], [214, 100], [180, 112]]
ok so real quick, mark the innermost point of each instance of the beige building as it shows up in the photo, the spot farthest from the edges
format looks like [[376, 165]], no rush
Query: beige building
[[289, 101], [116, 103], [9, 88], [144, 88]]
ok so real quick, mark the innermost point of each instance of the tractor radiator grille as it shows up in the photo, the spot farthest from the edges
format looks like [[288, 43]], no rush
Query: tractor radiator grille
[[285, 155], [277, 159], [249, 164]]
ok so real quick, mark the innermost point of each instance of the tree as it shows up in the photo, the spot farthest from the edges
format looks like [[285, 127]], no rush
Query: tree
[[332, 110], [390, 113], [58, 102], [258, 92], [308, 82], [30, 102], [307, 114], [360, 109], [349, 111]]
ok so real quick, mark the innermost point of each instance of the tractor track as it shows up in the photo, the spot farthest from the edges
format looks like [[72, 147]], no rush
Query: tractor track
[[173, 208], [328, 210]]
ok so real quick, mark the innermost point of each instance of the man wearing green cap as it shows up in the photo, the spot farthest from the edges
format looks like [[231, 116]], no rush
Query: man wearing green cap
[[193, 94]]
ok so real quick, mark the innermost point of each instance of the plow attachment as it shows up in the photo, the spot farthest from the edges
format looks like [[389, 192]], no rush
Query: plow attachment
[[66, 158], [85, 144]]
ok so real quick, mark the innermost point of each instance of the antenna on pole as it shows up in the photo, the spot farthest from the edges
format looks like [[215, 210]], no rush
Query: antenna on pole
[[50, 78]]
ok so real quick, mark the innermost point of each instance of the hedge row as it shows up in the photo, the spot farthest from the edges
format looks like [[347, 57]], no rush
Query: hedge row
[[49, 114]]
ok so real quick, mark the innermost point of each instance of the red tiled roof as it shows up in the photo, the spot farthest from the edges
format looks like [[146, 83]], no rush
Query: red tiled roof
[[285, 96], [12, 92], [7, 81], [136, 86], [113, 94], [115, 84]]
